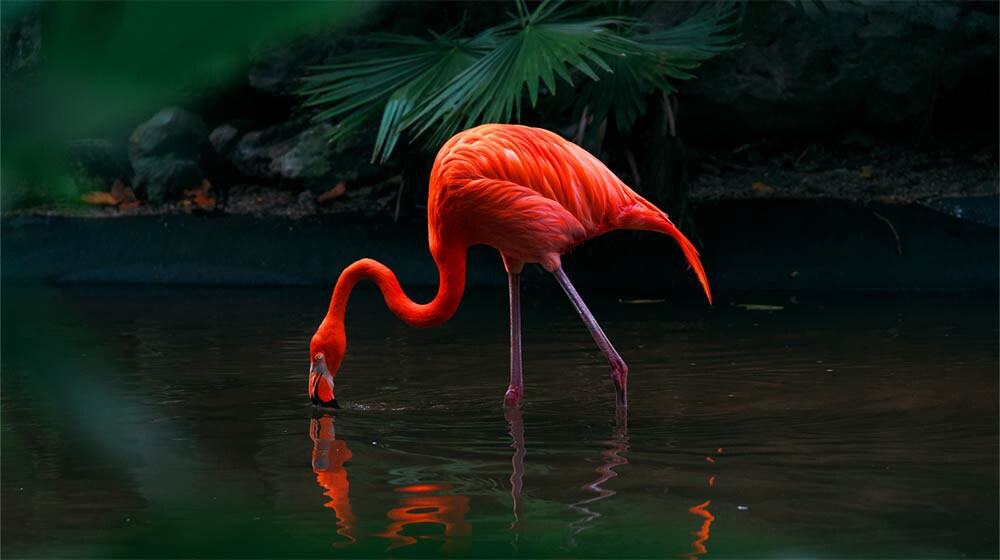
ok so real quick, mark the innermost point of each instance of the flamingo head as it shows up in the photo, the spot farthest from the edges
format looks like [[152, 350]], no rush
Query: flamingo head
[[324, 363]]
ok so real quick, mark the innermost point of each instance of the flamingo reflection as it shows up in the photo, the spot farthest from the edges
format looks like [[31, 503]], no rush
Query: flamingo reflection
[[701, 510], [516, 423], [701, 535], [328, 458], [611, 458], [427, 505]]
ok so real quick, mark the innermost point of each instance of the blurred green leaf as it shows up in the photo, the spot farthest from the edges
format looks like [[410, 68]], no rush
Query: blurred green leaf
[[106, 65]]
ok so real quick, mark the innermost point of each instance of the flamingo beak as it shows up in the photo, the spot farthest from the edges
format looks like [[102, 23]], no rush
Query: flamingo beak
[[321, 386]]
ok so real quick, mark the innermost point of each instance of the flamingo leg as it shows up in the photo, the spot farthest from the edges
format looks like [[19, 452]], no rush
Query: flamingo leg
[[516, 389], [619, 371]]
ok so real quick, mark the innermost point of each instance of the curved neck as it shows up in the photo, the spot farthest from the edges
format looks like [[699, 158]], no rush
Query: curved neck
[[451, 286]]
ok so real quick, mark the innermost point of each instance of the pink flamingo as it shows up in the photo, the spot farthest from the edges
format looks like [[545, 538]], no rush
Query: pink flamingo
[[526, 192]]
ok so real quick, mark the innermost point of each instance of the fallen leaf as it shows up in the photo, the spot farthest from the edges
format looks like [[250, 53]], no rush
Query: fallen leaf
[[201, 196], [867, 171], [762, 187], [99, 198], [334, 193], [759, 307], [123, 193]]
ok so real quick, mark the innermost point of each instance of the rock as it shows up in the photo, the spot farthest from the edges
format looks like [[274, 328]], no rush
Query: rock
[[851, 65], [298, 152], [171, 132], [165, 178], [96, 163], [223, 138], [167, 154], [308, 155]]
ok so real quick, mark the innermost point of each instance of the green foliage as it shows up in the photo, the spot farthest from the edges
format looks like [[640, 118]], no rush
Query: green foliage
[[435, 87], [103, 66]]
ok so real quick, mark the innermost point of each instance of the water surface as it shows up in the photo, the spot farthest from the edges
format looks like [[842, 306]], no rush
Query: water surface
[[174, 422]]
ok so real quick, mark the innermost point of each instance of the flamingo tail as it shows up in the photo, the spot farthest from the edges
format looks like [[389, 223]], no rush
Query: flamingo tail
[[645, 216]]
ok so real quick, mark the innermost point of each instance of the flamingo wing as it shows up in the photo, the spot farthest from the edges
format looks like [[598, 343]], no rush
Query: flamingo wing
[[518, 221]]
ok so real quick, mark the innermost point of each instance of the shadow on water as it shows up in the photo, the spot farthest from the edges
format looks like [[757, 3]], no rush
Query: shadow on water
[[173, 422]]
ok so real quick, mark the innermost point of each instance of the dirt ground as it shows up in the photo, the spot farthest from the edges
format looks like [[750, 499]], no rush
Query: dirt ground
[[855, 169], [858, 170]]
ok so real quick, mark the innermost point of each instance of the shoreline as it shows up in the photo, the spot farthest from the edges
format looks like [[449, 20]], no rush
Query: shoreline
[[749, 244]]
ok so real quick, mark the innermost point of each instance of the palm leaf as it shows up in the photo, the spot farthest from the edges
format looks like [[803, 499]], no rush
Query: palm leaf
[[661, 57], [432, 88]]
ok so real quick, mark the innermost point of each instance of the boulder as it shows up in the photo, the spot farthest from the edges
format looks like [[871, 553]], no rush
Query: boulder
[[96, 163], [223, 138], [298, 153], [171, 132], [167, 154], [165, 178]]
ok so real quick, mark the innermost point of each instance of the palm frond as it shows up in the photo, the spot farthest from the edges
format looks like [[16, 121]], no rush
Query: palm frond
[[432, 88], [661, 58]]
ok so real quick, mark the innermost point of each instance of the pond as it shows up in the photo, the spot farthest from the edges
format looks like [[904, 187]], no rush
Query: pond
[[172, 422]]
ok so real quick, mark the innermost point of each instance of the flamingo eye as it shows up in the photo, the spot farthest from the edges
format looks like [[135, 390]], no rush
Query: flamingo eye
[[319, 357]]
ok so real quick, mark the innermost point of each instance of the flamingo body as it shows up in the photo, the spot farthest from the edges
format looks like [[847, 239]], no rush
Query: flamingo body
[[532, 195], [528, 193]]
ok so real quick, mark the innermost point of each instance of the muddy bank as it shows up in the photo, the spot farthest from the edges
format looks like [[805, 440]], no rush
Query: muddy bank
[[766, 243]]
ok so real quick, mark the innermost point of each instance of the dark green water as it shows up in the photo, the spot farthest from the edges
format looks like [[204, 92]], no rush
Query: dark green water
[[174, 422]]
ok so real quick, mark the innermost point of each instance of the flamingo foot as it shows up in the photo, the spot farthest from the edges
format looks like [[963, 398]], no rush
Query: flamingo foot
[[513, 397]]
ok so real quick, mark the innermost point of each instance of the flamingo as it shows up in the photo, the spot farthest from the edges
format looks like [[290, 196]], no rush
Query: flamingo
[[530, 194]]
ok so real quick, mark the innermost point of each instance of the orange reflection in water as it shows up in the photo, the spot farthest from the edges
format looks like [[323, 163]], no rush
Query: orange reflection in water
[[447, 510], [701, 535], [328, 458]]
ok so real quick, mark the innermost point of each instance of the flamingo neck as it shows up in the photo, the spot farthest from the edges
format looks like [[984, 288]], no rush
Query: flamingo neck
[[451, 286]]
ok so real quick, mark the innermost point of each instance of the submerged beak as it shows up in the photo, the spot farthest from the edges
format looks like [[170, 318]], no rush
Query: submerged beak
[[321, 386]]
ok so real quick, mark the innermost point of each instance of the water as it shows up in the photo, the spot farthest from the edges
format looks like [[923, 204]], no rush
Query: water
[[174, 422]]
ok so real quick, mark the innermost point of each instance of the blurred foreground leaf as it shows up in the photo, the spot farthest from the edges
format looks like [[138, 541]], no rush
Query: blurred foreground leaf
[[104, 66]]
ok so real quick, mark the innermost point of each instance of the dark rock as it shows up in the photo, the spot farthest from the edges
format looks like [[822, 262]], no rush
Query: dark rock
[[852, 64], [165, 178], [298, 152], [96, 163], [172, 132], [167, 154], [223, 138]]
